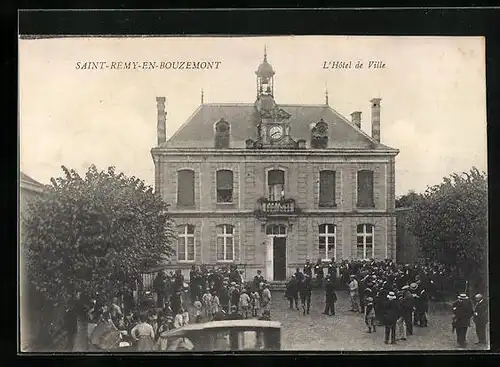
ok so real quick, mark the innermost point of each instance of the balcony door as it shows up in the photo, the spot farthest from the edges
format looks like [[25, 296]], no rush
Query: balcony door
[[276, 184], [276, 252]]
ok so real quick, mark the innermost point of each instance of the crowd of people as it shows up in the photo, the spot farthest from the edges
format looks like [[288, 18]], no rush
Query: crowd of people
[[215, 294], [394, 296]]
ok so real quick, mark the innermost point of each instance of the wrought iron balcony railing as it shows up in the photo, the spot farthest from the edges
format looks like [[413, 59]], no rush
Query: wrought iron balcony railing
[[284, 206]]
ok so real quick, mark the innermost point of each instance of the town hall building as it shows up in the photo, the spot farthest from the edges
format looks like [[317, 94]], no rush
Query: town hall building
[[265, 185]]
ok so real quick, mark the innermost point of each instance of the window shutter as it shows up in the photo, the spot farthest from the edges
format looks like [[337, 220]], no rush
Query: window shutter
[[185, 188], [224, 180], [365, 188], [327, 188]]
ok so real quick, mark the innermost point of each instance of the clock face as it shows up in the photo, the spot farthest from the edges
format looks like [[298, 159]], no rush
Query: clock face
[[276, 132]]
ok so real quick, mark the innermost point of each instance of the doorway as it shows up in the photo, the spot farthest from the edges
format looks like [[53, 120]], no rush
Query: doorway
[[279, 259]]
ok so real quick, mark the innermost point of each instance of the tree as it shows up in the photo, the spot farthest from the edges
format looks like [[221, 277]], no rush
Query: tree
[[450, 222], [408, 200], [94, 234]]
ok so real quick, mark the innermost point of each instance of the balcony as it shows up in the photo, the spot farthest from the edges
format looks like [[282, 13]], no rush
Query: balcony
[[277, 207]]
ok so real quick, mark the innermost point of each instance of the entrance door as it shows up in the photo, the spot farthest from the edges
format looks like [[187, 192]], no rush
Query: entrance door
[[279, 252]]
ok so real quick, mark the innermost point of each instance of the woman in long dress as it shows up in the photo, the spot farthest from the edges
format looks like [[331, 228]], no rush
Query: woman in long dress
[[162, 331], [144, 334]]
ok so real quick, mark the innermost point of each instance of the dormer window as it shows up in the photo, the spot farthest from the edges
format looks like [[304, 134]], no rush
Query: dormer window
[[319, 135], [222, 129]]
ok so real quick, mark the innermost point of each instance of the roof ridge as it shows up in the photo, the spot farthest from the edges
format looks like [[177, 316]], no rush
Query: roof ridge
[[345, 120]]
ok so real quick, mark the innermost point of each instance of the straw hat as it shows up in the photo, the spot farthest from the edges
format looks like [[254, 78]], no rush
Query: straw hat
[[462, 296], [391, 295], [405, 287], [413, 286]]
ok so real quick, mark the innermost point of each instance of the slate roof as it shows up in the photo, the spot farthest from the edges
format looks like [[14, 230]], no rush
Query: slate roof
[[198, 130], [24, 177]]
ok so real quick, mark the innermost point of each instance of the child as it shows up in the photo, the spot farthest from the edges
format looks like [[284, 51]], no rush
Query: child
[[178, 320], [207, 301], [185, 317], [370, 314], [162, 331], [255, 303], [197, 308], [244, 302], [214, 304]]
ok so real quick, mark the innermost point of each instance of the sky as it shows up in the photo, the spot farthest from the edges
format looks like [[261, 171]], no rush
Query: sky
[[433, 94]]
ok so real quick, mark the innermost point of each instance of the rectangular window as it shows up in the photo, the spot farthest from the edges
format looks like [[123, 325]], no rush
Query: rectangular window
[[327, 189], [276, 185], [224, 186], [185, 188], [365, 189], [185, 243], [225, 243], [364, 242], [327, 241]]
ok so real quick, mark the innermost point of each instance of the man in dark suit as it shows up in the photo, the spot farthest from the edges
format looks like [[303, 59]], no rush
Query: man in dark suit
[[462, 310], [308, 267], [292, 292], [391, 315], [481, 318], [330, 296], [407, 305], [305, 294], [319, 272], [332, 269]]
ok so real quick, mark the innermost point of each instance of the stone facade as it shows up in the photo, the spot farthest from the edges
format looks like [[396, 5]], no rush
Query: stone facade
[[301, 184], [275, 229]]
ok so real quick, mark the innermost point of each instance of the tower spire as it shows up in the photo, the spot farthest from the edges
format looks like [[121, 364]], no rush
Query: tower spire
[[326, 92], [265, 52], [201, 95]]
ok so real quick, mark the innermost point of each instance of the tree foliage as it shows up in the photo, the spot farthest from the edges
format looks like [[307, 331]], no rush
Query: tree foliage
[[408, 200], [450, 221], [95, 234]]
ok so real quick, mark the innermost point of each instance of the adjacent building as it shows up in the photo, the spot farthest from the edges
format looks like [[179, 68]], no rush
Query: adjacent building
[[29, 189], [265, 185]]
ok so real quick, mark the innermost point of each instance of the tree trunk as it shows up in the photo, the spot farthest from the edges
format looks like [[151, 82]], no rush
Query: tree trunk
[[81, 338]]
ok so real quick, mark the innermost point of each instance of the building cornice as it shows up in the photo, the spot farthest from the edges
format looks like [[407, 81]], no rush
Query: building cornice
[[161, 151], [250, 213]]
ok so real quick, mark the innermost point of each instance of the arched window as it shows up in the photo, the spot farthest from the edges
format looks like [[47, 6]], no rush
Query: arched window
[[364, 244], [319, 135], [224, 186], [222, 130], [365, 189], [185, 188], [327, 241], [276, 229], [276, 184], [185, 243], [327, 189], [225, 242]]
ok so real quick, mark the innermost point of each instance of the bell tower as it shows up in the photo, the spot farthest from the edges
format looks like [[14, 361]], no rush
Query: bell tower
[[265, 86], [274, 129]]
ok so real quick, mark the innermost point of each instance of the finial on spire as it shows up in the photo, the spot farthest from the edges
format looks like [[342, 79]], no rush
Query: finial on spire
[[201, 95], [265, 52], [326, 92]]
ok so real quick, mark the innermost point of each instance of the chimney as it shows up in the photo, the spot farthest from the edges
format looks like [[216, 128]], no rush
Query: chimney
[[376, 118], [161, 128], [356, 118]]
